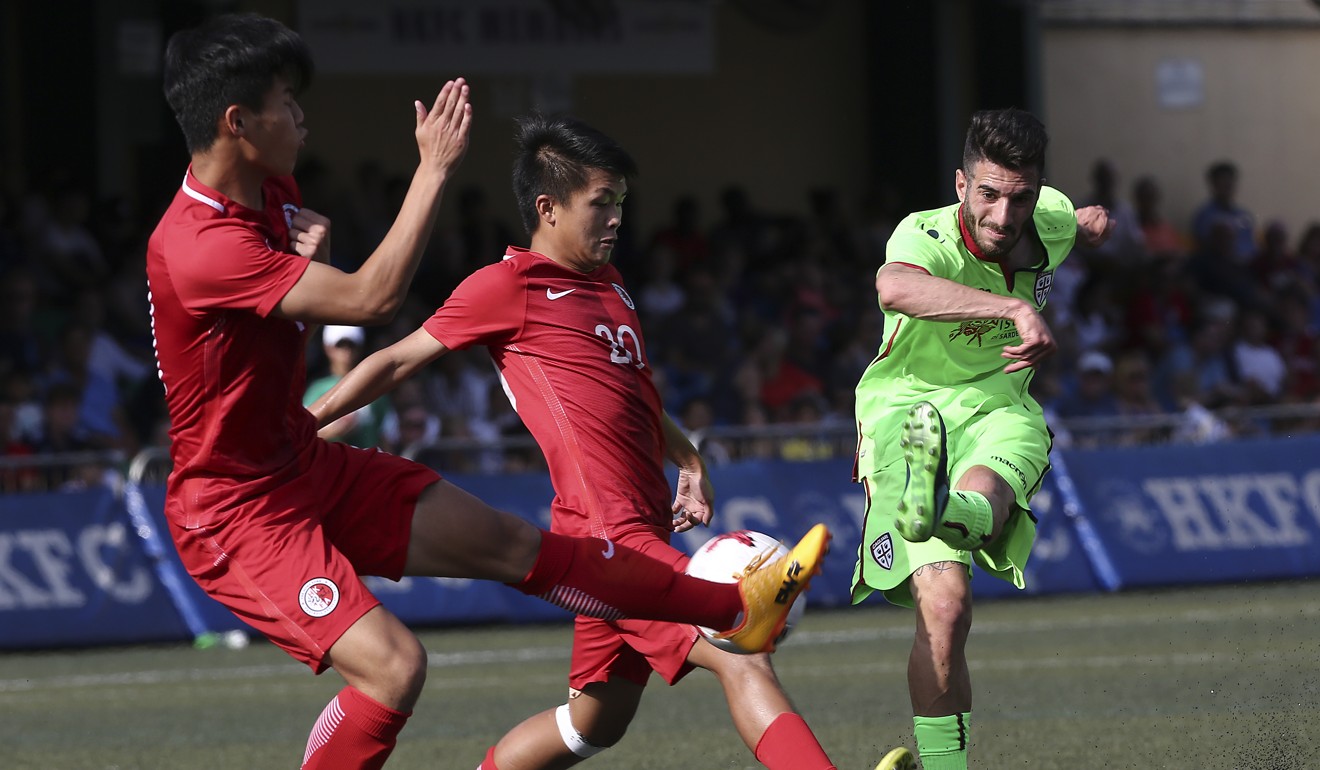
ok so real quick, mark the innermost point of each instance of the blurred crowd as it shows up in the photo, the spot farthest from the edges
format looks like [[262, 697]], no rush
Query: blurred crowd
[[750, 318]]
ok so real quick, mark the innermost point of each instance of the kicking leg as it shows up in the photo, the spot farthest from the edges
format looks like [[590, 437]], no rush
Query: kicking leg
[[454, 534]]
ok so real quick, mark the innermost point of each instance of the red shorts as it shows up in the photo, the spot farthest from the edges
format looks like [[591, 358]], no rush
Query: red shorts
[[287, 562], [632, 649]]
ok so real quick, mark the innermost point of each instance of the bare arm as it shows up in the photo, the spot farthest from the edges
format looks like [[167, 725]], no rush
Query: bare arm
[[694, 500], [918, 294], [378, 374], [373, 294]]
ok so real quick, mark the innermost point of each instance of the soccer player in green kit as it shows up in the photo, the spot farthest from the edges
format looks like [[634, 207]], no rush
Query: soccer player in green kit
[[951, 444]]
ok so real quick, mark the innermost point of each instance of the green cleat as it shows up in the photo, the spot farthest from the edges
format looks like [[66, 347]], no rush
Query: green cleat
[[898, 759], [927, 490]]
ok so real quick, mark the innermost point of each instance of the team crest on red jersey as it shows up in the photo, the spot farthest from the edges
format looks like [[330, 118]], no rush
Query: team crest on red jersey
[[1044, 282], [623, 295], [318, 597]]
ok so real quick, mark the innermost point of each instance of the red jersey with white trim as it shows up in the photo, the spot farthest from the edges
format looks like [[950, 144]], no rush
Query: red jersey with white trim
[[569, 349], [234, 375]]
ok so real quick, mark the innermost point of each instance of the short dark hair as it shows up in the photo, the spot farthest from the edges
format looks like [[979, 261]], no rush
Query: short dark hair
[[555, 157], [230, 59], [1221, 168], [1012, 138]]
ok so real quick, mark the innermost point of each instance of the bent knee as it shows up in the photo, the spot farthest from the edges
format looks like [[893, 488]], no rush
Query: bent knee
[[594, 736], [401, 669]]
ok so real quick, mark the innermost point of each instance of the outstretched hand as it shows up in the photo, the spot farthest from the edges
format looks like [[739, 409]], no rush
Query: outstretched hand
[[442, 132]]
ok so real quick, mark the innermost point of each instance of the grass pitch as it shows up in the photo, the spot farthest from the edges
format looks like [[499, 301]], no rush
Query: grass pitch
[[1222, 678]]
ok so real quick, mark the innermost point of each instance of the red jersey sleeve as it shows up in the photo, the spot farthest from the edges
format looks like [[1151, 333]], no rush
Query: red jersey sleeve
[[239, 262], [488, 308]]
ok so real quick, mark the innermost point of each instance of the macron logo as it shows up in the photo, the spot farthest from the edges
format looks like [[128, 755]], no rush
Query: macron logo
[[551, 294], [608, 553]]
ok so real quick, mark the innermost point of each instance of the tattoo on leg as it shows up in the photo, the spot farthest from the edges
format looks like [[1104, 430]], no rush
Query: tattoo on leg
[[939, 566]]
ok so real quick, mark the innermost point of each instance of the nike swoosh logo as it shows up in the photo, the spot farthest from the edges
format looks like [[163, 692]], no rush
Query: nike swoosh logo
[[608, 553], [551, 294]]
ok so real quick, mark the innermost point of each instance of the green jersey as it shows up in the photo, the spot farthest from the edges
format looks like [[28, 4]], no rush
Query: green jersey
[[956, 365]]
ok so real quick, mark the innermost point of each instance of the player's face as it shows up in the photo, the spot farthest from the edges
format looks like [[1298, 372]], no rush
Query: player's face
[[997, 205], [276, 134], [586, 227]]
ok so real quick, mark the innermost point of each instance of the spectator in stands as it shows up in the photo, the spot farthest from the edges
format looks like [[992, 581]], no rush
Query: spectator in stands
[[1275, 266], [478, 232], [1095, 322], [102, 423], [1158, 309], [696, 418], [831, 238], [682, 236], [1160, 238], [19, 387], [1308, 252], [1216, 268], [68, 256], [661, 295], [1298, 346], [411, 424], [62, 434], [1207, 359], [1127, 243], [463, 387], [344, 348], [1093, 392], [807, 445], [782, 380], [1260, 365], [755, 446], [108, 357], [1222, 207], [14, 443], [21, 345], [1134, 398], [741, 228]]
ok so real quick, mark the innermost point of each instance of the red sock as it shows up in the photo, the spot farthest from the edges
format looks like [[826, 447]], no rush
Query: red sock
[[597, 578], [788, 744], [489, 762], [354, 732]]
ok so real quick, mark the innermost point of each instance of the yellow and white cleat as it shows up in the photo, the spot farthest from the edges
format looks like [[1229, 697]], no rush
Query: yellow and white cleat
[[768, 593]]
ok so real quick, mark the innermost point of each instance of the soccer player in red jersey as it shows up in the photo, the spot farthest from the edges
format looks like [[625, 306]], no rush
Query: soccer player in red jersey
[[278, 524], [565, 336]]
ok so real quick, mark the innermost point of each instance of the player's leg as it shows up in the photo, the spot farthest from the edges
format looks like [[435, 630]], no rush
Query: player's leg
[[996, 451], [762, 712], [939, 681], [607, 677], [594, 719], [454, 534], [384, 666]]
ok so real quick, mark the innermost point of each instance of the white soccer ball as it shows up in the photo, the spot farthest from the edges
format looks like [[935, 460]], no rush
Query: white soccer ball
[[725, 558]]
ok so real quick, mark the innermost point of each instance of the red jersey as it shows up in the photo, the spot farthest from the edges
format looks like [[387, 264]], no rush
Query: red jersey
[[234, 375], [569, 349]]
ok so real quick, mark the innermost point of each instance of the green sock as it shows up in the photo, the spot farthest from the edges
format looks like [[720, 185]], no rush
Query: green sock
[[967, 521], [942, 742]]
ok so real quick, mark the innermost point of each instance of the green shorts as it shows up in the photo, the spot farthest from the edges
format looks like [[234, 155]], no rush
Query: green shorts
[[1011, 441]]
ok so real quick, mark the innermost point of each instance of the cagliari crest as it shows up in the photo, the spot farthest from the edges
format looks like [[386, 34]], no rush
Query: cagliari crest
[[1043, 283]]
